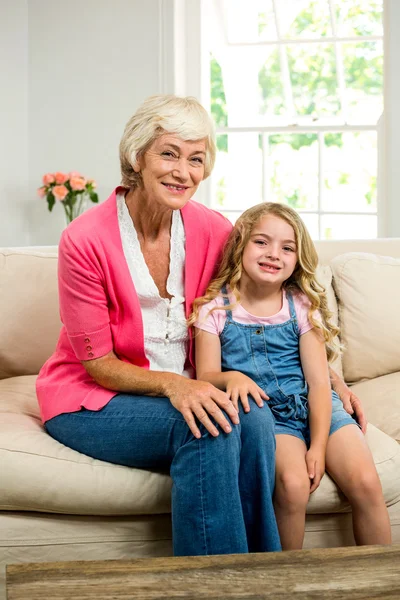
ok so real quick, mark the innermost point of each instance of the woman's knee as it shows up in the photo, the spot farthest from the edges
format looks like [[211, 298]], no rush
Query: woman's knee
[[259, 423], [258, 415], [292, 489]]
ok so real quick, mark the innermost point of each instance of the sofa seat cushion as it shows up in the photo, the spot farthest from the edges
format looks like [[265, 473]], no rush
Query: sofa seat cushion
[[40, 474], [23, 529], [381, 401]]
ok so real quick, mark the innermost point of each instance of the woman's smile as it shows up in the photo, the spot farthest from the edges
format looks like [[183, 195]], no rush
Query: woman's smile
[[175, 188]]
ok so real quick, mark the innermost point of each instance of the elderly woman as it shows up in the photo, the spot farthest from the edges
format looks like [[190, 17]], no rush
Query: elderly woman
[[120, 386]]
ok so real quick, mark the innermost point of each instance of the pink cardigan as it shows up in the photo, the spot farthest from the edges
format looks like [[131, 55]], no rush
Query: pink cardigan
[[99, 306]]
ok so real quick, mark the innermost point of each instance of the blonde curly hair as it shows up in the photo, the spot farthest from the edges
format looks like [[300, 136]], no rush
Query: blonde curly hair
[[303, 278]]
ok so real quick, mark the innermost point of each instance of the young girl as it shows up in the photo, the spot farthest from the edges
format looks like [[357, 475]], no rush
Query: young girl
[[263, 333]]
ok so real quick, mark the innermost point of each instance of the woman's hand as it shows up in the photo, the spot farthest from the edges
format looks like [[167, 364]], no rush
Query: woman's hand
[[240, 386], [351, 403], [201, 400], [315, 460]]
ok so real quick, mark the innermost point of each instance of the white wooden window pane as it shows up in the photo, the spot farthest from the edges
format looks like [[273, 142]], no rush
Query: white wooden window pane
[[363, 71], [349, 174], [266, 21], [339, 63], [359, 17], [326, 79], [217, 89], [304, 18], [237, 176], [348, 227], [314, 80], [232, 216], [241, 20], [311, 222], [293, 167], [239, 71], [271, 89]]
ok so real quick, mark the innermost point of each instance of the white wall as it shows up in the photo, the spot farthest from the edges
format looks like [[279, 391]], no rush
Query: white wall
[[71, 74], [391, 168], [13, 122], [91, 63]]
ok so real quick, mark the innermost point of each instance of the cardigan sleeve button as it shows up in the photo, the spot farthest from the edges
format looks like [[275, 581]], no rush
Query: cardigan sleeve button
[[87, 340], [90, 354], [88, 347]]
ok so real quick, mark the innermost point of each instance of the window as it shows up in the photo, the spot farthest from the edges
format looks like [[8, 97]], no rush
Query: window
[[296, 91]]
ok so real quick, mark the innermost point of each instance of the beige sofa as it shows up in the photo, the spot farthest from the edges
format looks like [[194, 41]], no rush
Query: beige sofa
[[56, 504]]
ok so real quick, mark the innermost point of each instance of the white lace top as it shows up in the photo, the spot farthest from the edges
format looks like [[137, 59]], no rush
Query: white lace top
[[166, 335]]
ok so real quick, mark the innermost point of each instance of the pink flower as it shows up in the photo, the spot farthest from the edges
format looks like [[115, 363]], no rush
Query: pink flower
[[74, 174], [41, 192], [59, 191], [77, 183], [48, 178], [92, 183], [60, 178]]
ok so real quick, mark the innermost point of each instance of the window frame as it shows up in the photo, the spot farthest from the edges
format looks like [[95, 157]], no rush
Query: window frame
[[188, 40]]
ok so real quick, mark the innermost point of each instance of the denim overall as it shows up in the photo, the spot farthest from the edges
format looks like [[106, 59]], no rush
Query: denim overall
[[270, 355]]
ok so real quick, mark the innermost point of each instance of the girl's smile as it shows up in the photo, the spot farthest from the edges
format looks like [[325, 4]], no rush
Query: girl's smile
[[269, 268]]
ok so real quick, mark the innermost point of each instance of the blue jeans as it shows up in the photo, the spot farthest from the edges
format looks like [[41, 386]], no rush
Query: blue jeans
[[222, 487]]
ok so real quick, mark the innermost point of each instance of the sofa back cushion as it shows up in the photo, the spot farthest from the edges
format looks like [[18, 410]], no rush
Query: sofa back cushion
[[30, 322], [368, 287], [324, 277], [29, 316]]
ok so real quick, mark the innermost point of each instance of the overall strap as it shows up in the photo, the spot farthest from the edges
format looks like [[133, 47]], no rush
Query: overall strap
[[226, 301], [292, 309]]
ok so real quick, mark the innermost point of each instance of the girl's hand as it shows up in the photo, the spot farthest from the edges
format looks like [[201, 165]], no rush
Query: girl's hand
[[201, 400], [240, 386], [315, 460], [351, 403]]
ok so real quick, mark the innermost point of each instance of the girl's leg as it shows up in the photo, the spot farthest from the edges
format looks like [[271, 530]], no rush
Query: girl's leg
[[349, 462], [292, 490], [257, 478]]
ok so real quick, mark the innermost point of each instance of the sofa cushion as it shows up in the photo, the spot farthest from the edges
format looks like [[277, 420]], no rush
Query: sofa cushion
[[325, 276], [39, 474], [30, 322], [380, 398], [367, 287]]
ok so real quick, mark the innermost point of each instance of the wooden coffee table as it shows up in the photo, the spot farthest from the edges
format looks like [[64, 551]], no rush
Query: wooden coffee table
[[370, 572]]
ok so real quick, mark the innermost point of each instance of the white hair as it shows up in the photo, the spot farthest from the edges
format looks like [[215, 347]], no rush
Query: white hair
[[183, 116]]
